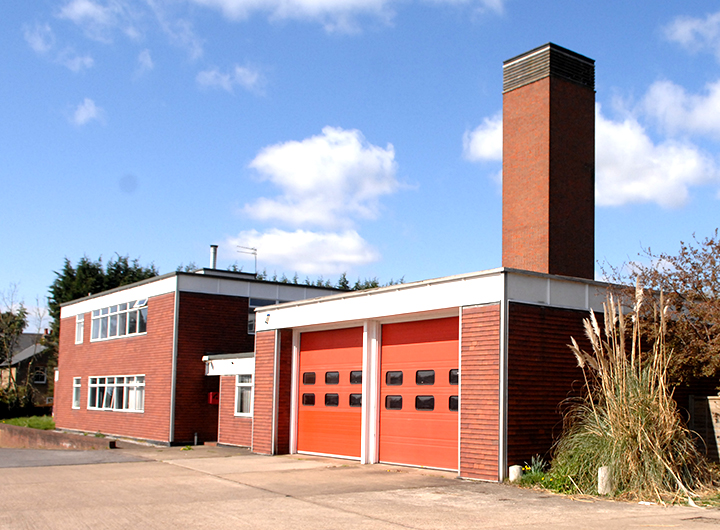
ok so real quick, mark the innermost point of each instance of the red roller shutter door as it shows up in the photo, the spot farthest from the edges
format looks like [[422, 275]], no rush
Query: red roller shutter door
[[329, 403], [419, 393]]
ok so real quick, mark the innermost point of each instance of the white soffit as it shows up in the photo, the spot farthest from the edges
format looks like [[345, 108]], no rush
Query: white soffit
[[144, 290], [404, 299]]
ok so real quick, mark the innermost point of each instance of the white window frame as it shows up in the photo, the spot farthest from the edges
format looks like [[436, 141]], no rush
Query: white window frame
[[77, 386], [114, 322], [239, 386], [117, 393], [79, 328]]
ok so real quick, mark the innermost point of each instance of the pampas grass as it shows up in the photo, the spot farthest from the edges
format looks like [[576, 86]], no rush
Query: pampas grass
[[628, 419]]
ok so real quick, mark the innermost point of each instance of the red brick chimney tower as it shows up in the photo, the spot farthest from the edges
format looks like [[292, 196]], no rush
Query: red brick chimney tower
[[549, 162]]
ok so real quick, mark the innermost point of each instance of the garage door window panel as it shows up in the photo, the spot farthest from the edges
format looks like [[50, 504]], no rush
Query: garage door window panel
[[425, 377]]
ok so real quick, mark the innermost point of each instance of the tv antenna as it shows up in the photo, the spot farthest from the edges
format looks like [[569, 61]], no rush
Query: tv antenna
[[249, 250]]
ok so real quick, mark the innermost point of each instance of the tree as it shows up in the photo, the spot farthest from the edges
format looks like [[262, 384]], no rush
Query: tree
[[90, 277], [13, 318], [690, 282]]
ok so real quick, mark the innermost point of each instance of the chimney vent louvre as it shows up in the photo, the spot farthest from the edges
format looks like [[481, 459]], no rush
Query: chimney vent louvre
[[548, 60]]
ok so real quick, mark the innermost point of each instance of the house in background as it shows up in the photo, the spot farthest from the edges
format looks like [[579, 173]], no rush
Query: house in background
[[467, 372], [29, 365], [130, 359]]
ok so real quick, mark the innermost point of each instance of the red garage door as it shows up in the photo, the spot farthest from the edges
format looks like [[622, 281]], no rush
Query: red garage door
[[419, 393], [330, 392]]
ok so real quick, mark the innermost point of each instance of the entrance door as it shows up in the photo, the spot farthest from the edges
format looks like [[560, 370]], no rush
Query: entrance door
[[419, 393], [330, 392]]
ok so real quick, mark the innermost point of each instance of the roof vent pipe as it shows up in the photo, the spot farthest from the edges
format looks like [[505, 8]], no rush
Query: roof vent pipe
[[213, 256]]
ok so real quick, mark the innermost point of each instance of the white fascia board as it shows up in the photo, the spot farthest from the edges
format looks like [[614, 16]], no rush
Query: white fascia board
[[144, 290], [230, 366], [377, 304], [555, 291]]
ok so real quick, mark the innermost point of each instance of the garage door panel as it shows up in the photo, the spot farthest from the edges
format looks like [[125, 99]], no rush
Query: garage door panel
[[420, 437], [329, 358]]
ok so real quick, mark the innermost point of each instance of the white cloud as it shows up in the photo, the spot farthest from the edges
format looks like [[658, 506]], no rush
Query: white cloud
[[327, 180], [631, 168], [334, 15], [97, 19], [677, 111], [485, 142], [145, 62], [86, 112], [308, 252], [40, 38], [75, 62], [696, 34], [330, 181], [244, 77], [180, 32]]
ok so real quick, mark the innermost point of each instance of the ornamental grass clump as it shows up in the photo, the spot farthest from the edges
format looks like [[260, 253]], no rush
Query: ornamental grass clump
[[628, 419]]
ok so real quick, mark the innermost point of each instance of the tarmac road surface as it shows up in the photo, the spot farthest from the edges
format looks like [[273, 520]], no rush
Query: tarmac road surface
[[145, 487]]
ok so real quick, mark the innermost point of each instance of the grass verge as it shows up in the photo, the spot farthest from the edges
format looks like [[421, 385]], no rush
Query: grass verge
[[44, 423]]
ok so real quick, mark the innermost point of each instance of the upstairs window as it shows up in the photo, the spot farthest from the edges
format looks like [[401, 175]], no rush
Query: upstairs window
[[79, 328], [119, 320]]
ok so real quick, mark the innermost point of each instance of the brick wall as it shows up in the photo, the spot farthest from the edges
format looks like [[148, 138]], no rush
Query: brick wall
[[263, 392], [542, 372], [149, 354], [284, 393], [480, 387], [232, 430], [548, 178], [208, 324]]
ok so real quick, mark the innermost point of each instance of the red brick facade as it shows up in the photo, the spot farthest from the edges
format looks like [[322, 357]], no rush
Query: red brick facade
[[208, 324], [542, 373], [480, 391], [149, 354], [548, 178], [263, 392], [282, 436], [232, 430]]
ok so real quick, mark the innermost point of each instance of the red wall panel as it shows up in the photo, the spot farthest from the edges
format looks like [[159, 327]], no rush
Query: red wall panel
[[542, 373], [480, 391], [263, 392], [232, 430], [208, 324], [149, 354]]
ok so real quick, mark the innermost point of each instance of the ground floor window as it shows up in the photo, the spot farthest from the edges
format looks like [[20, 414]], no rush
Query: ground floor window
[[123, 392], [77, 383], [243, 395]]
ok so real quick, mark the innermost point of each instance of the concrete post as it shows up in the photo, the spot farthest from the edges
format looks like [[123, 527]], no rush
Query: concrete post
[[606, 484], [515, 473]]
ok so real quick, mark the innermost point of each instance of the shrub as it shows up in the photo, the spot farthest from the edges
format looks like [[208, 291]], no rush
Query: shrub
[[628, 419]]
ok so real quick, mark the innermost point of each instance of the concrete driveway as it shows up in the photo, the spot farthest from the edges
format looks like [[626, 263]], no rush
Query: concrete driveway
[[218, 488]]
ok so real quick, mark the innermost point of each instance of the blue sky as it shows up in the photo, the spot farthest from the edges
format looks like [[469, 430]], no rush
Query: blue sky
[[333, 135]]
